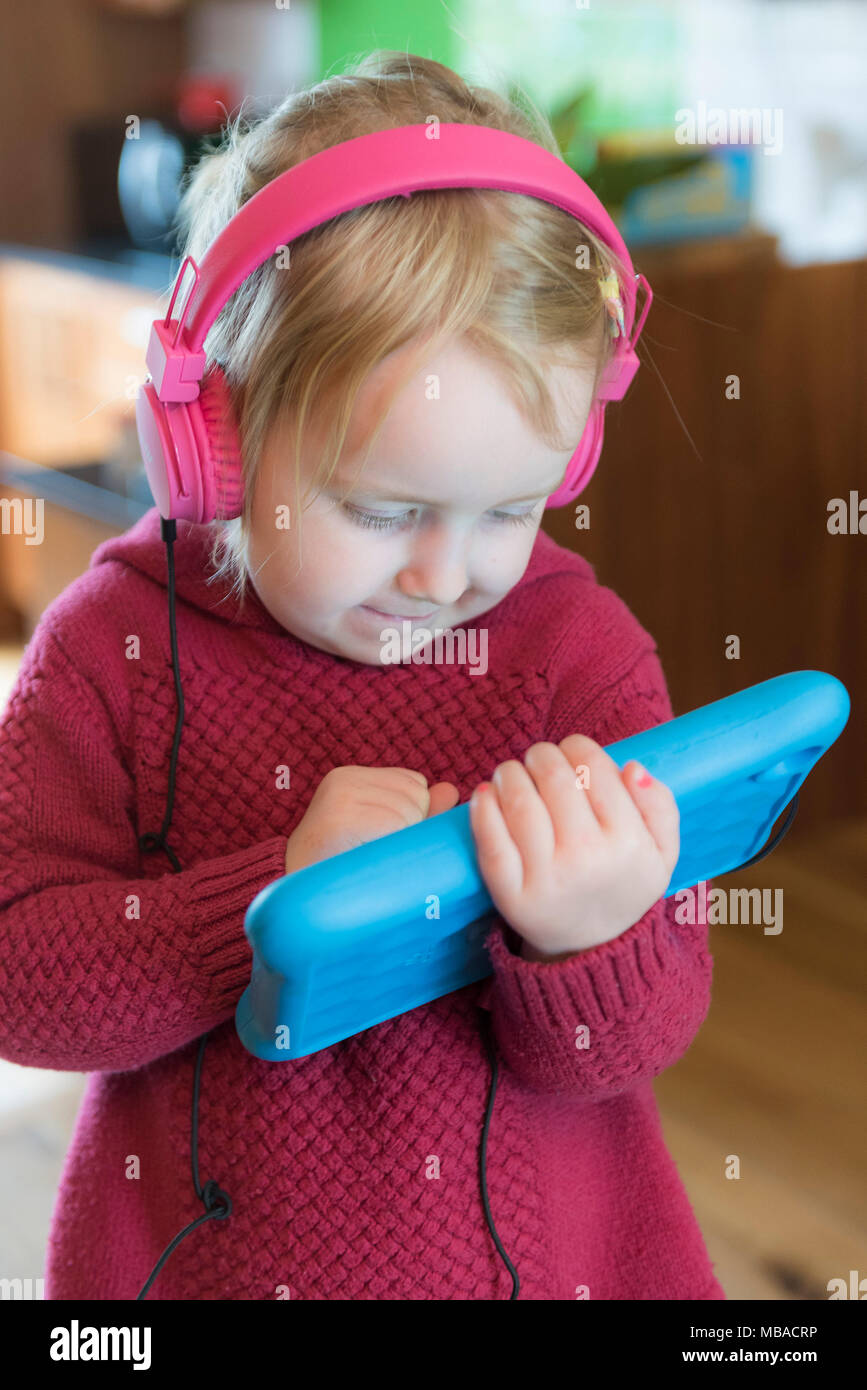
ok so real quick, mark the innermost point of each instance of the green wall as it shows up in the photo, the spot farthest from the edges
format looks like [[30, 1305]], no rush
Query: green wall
[[350, 28]]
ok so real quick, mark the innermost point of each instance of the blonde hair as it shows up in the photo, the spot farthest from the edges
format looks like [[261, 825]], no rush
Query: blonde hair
[[495, 268]]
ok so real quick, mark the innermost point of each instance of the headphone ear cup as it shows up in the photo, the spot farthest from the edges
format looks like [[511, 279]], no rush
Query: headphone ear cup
[[159, 455], [191, 452], [219, 448], [582, 464]]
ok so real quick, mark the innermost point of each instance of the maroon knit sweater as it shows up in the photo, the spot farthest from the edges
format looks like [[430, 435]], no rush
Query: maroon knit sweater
[[353, 1173]]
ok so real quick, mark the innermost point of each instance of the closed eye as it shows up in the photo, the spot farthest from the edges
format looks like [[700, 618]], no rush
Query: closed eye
[[379, 521]]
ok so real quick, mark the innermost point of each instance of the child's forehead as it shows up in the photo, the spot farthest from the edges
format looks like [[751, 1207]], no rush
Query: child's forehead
[[456, 384], [446, 422]]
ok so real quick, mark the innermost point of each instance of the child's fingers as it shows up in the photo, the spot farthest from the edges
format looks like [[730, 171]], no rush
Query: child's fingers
[[571, 813], [658, 808], [499, 858], [610, 804], [524, 813]]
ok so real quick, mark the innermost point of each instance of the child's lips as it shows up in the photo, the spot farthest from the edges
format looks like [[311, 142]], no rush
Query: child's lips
[[399, 617]]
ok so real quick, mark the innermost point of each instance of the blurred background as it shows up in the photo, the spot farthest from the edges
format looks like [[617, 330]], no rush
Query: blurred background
[[709, 512]]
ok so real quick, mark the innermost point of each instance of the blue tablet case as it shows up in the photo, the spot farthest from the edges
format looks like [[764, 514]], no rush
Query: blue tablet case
[[358, 938]]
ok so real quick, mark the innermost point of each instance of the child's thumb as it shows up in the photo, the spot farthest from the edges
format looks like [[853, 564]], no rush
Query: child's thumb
[[444, 796]]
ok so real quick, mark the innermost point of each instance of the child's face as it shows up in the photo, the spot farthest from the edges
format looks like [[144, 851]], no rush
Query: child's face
[[438, 474]]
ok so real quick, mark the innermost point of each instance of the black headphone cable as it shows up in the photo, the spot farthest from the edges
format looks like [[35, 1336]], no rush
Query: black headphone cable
[[217, 1203]]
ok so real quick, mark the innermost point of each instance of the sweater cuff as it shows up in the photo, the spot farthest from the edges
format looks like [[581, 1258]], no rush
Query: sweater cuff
[[599, 986], [218, 906]]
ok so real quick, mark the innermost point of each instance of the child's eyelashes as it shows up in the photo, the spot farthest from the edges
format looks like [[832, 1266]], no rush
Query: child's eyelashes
[[380, 522]]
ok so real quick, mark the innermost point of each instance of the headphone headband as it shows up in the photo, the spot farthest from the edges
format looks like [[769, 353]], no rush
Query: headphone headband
[[367, 169]]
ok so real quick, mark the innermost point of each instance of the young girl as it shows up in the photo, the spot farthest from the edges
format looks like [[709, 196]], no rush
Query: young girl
[[354, 1173]]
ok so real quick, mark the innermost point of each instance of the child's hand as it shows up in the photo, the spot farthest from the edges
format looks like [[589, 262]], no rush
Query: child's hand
[[352, 805], [569, 867]]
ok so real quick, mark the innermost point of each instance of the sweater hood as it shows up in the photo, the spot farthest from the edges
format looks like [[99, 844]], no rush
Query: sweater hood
[[142, 548]]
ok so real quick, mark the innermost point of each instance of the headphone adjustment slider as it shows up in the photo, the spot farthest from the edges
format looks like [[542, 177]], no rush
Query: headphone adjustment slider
[[175, 370]]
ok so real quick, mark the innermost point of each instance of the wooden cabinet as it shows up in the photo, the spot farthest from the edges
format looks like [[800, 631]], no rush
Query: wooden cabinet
[[72, 345], [71, 355]]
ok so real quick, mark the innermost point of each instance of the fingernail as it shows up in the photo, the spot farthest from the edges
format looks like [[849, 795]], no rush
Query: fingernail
[[645, 779], [483, 786]]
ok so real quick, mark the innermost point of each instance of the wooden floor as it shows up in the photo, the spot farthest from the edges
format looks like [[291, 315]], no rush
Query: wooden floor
[[778, 1077]]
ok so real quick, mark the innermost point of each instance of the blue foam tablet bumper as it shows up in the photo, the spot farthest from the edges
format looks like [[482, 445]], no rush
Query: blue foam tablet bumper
[[359, 938]]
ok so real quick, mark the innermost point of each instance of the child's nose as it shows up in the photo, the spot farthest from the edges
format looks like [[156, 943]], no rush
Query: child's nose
[[436, 577]]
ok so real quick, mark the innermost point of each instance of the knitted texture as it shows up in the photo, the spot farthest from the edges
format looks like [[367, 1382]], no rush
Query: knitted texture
[[353, 1173]]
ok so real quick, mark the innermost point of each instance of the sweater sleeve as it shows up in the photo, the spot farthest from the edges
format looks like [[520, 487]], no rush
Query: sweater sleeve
[[640, 997], [101, 968]]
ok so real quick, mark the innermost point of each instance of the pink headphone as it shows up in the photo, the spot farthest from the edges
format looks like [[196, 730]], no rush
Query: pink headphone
[[186, 426]]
